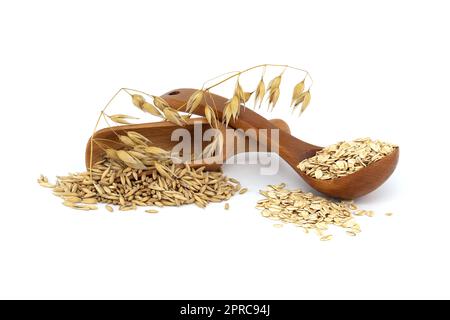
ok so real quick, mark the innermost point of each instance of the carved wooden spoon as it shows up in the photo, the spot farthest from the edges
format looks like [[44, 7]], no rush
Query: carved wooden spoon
[[294, 150]]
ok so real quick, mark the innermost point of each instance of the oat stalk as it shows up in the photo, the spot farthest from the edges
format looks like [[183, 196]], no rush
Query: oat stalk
[[160, 108]]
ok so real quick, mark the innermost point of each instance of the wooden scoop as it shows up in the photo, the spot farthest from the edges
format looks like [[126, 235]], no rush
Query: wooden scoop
[[160, 134], [294, 150]]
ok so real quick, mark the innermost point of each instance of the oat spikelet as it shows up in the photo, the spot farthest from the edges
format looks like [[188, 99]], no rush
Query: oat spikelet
[[274, 91], [227, 114], [239, 92], [149, 108], [247, 96], [214, 148], [173, 116], [210, 115], [306, 101], [160, 103], [130, 160], [297, 92], [231, 110], [157, 151], [273, 97], [137, 137], [137, 154], [260, 93], [138, 100], [121, 118], [274, 83], [194, 101], [127, 141], [162, 170], [235, 107], [112, 154]]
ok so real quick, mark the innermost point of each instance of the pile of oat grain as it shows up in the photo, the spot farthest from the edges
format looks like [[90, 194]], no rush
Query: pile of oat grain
[[308, 211], [111, 182]]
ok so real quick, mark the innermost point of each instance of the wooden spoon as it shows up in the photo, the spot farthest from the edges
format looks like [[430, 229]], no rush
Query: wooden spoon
[[294, 150]]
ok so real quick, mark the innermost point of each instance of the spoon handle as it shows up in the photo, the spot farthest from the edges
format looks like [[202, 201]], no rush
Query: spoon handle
[[291, 149]]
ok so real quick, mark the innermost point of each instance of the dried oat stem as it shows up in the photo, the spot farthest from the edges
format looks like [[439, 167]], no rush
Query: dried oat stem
[[98, 122], [161, 108]]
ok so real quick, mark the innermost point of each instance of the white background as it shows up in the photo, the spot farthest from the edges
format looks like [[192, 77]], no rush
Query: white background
[[381, 69]]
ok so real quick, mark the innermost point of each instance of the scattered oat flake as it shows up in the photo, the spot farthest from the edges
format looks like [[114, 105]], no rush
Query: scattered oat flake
[[227, 206], [308, 211], [326, 238], [109, 208], [388, 214], [151, 211]]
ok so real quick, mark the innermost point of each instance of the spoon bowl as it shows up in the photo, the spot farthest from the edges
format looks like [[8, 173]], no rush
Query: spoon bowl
[[358, 183]]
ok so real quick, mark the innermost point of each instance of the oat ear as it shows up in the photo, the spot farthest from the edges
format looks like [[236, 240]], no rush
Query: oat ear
[[194, 101]]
